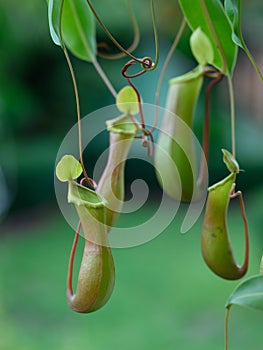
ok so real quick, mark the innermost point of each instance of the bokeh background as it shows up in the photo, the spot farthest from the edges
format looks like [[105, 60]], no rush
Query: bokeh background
[[165, 297]]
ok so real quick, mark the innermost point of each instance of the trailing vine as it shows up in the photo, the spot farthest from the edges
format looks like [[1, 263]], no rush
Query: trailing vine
[[216, 36]]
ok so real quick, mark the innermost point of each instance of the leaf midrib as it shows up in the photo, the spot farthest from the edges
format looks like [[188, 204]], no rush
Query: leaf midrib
[[79, 27], [250, 295]]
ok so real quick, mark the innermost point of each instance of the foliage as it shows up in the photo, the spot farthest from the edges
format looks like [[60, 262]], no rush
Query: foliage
[[249, 293], [211, 18]]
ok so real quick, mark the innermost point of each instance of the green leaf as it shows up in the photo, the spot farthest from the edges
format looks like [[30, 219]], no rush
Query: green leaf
[[233, 10], [78, 29], [54, 16], [249, 293], [68, 168], [210, 16], [77, 24]]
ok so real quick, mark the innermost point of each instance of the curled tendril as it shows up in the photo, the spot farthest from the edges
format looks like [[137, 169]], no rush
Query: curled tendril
[[91, 183], [213, 73], [121, 48], [146, 64], [128, 77], [145, 143], [145, 131], [134, 44]]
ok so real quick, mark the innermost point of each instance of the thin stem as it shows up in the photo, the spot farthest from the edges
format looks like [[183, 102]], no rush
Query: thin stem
[[135, 28], [215, 36], [109, 35], [78, 110], [150, 150], [243, 213], [249, 55], [71, 261], [168, 59], [128, 77], [104, 78], [232, 115], [139, 102], [146, 132], [164, 69], [156, 59], [136, 38], [122, 49], [252, 60], [75, 86], [226, 327]]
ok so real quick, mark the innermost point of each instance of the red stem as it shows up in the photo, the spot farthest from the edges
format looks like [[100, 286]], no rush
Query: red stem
[[146, 64], [71, 261], [238, 194]]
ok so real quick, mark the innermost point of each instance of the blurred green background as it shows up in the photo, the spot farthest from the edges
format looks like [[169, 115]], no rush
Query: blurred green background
[[165, 297]]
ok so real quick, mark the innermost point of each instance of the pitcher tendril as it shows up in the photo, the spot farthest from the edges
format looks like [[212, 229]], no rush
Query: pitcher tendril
[[134, 44], [238, 195], [180, 161], [164, 69], [146, 63], [232, 115], [121, 48], [78, 116], [75, 86], [71, 260]]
